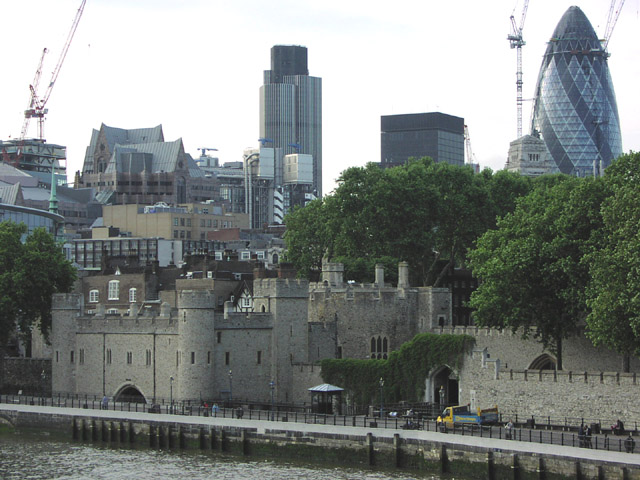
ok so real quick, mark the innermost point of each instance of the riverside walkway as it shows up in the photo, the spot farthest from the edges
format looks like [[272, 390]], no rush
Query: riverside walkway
[[262, 426]]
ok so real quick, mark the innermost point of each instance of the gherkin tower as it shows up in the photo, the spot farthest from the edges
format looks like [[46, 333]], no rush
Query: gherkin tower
[[575, 110]]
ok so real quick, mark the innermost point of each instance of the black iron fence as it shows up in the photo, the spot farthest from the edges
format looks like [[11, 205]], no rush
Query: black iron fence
[[556, 431]]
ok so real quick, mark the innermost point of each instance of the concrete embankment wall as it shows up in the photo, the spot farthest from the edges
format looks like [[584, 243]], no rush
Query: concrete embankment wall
[[417, 451]]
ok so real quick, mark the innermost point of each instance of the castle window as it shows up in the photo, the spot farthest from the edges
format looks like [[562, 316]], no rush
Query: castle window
[[379, 347], [114, 290], [129, 358], [244, 256], [72, 357], [219, 336], [94, 296], [259, 357], [57, 356], [208, 358], [82, 356], [133, 294], [148, 357], [108, 356], [177, 357], [227, 358], [193, 358]]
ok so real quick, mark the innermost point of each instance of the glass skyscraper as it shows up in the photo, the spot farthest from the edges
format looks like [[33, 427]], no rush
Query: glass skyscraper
[[575, 110], [291, 107]]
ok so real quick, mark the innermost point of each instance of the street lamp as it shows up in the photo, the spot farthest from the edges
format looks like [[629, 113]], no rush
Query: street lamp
[[43, 376], [381, 397], [230, 386], [171, 392], [272, 384]]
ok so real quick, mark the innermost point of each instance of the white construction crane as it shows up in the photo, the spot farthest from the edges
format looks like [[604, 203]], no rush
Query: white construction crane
[[612, 19], [37, 104], [471, 158], [516, 41]]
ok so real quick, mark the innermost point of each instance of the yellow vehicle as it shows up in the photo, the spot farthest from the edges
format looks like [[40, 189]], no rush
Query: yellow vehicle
[[462, 414]]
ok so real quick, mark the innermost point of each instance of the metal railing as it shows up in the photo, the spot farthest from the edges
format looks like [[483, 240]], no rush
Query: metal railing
[[534, 431]]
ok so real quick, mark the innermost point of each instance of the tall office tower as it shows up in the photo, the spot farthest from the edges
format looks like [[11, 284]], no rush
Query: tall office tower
[[436, 135], [291, 107], [575, 108]]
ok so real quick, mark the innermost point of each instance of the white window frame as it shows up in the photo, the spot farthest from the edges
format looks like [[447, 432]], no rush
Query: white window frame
[[114, 290], [94, 296], [133, 295]]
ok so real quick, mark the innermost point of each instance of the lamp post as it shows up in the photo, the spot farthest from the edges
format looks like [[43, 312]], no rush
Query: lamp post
[[43, 376], [381, 397], [171, 393], [272, 384], [230, 386]]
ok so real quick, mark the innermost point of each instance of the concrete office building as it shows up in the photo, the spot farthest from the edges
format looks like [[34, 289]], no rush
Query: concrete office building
[[291, 107], [436, 135]]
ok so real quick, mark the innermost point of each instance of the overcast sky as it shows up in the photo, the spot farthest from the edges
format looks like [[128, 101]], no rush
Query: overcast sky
[[195, 66]]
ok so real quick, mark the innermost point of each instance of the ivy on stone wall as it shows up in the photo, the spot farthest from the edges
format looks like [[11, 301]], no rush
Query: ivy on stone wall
[[404, 372]]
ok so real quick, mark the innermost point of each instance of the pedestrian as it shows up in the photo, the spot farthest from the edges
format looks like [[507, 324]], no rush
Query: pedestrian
[[629, 444], [509, 430], [105, 403], [581, 435], [587, 436], [214, 409]]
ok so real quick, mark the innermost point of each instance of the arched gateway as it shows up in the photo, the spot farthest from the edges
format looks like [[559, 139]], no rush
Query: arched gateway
[[442, 386], [129, 393]]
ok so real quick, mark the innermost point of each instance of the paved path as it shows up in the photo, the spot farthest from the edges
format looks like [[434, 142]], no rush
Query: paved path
[[263, 425]]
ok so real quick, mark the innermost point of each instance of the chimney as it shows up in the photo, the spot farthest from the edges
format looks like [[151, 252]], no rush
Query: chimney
[[380, 275], [403, 275]]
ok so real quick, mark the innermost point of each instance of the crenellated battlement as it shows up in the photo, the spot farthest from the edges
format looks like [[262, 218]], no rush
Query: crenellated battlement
[[66, 301], [196, 299], [281, 287], [245, 320], [124, 324], [474, 331]]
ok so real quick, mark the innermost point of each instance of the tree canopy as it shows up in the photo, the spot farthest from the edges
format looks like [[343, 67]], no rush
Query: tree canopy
[[425, 213], [30, 273], [614, 263], [531, 270]]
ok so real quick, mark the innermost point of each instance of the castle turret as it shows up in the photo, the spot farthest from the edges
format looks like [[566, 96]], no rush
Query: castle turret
[[195, 345], [332, 273]]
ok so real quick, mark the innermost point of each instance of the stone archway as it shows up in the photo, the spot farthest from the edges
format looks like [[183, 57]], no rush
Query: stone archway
[[443, 377], [129, 393], [543, 362]]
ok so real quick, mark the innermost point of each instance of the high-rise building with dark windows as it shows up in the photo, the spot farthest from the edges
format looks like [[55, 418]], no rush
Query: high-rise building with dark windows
[[291, 108], [575, 110], [436, 135]]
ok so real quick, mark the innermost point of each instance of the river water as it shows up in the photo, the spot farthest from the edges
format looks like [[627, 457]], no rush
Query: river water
[[31, 457]]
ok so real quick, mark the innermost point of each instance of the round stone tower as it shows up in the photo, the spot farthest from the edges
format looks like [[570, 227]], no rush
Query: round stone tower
[[195, 345]]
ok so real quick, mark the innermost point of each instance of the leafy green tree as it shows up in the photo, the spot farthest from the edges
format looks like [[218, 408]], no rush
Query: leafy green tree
[[530, 267], [30, 273], [425, 213], [614, 319], [307, 237]]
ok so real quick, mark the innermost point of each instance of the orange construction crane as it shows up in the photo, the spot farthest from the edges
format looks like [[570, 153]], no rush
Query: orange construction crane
[[37, 104]]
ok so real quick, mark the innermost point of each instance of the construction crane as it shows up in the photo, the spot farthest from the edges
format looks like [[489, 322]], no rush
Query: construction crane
[[516, 41], [38, 102], [471, 158], [204, 150], [33, 86], [612, 19]]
